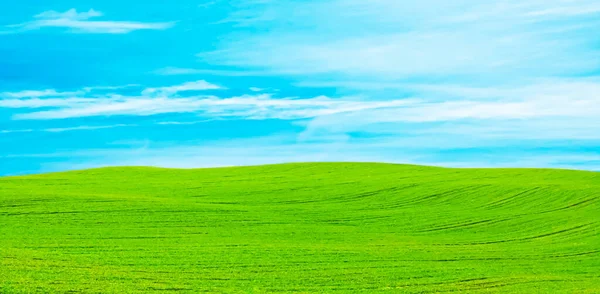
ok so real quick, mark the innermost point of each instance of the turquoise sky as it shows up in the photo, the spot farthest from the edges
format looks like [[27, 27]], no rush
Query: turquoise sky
[[218, 83]]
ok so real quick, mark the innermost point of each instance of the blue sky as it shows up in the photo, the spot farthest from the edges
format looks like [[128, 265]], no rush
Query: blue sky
[[218, 83]]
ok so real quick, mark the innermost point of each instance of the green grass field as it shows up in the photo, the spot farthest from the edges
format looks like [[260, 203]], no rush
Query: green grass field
[[301, 228]]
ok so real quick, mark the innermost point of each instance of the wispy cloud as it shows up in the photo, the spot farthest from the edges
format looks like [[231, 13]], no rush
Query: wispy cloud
[[549, 99], [496, 68], [43, 103], [53, 93], [38, 93], [180, 123], [16, 131], [261, 106], [568, 8], [86, 128], [109, 88], [387, 40], [176, 71], [200, 85], [208, 4], [80, 22], [570, 106], [67, 129]]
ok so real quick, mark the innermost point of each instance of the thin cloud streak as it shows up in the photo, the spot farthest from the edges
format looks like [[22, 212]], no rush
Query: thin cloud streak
[[79, 22], [200, 85], [176, 71], [260, 106]]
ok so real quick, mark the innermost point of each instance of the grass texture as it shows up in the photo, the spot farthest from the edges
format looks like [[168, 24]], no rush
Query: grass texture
[[301, 228]]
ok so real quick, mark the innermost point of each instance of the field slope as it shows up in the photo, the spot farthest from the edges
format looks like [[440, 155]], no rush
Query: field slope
[[301, 228]]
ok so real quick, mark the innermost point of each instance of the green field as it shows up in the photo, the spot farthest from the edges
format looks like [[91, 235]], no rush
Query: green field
[[301, 228]]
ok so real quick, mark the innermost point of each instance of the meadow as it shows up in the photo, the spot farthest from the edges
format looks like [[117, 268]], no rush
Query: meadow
[[301, 228]]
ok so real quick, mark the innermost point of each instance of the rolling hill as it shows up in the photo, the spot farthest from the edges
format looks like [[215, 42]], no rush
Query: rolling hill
[[301, 228]]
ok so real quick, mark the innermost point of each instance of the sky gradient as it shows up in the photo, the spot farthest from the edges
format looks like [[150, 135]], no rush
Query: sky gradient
[[218, 83]]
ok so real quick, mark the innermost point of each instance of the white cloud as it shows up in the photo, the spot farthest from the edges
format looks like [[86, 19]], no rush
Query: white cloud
[[208, 4], [49, 102], [16, 131], [85, 128], [401, 55], [441, 116], [501, 64], [69, 14], [38, 93], [261, 106], [48, 93], [67, 129], [256, 89], [107, 88], [568, 9], [178, 123], [200, 85], [548, 99], [174, 71], [571, 109], [79, 22], [391, 41]]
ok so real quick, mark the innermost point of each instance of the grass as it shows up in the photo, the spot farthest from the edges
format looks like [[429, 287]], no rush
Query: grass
[[301, 228]]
